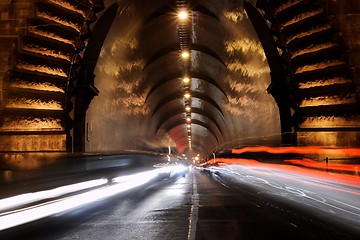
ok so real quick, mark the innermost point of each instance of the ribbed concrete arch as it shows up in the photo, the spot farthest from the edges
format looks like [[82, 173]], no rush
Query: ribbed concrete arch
[[161, 10], [151, 35], [210, 8], [178, 77], [211, 114], [194, 95], [205, 141], [208, 51], [171, 87], [179, 120], [180, 113], [169, 65]]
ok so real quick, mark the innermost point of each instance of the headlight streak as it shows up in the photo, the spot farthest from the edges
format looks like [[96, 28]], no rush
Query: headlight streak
[[334, 181], [319, 183], [319, 193], [117, 185], [27, 198]]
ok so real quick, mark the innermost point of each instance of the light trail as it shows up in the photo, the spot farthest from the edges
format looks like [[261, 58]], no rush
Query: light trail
[[54, 201], [27, 198], [334, 197], [332, 156], [298, 150]]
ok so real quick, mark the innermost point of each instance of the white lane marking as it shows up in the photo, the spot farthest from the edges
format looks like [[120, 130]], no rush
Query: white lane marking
[[194, 211]]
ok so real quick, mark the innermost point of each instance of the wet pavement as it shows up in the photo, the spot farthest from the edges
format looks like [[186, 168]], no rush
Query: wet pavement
[[196, 206]]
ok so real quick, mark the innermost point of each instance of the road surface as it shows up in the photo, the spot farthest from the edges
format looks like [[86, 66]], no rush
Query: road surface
[[201, 205]]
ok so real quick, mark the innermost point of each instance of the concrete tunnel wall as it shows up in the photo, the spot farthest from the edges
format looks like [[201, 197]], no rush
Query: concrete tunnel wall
[[119, 116]]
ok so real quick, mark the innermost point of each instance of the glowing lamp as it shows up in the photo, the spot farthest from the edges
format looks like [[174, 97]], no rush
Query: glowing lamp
[[187, 95], [185, 54], [183, 15]]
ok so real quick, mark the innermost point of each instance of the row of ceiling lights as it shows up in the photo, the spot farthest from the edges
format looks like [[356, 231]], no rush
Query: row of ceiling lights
[[183, 16]]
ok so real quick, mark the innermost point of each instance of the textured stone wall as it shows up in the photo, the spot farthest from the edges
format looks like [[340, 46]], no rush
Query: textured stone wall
[[347, 19], [345, 16], [12, 25], [117, 118], [318, 45], [40, 45]]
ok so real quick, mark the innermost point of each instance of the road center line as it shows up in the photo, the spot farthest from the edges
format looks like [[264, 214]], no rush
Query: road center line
[[194, 210]]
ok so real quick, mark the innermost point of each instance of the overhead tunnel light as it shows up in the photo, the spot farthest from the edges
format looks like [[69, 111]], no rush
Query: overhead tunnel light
[[185, 54], [188, 108], [186, 80], [187, 95], [183, 15]]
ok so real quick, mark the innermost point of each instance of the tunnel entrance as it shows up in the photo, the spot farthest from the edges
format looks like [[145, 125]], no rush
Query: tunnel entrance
[[142, 88]]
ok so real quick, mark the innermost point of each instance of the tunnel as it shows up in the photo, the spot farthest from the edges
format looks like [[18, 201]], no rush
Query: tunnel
[[188, 77], [180, 119]]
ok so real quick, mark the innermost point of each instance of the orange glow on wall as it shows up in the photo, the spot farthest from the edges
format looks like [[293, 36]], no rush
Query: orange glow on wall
[[37, 49], [323, 82], [69, 6], [40, 32], [46, 86], [331, 121], [35, 142], [31, 124], [75, 26], [33, 104], [300, 150], [42, 68], [328, 100]]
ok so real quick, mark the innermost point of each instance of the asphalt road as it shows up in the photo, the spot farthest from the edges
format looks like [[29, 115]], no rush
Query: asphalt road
[[198, 206]]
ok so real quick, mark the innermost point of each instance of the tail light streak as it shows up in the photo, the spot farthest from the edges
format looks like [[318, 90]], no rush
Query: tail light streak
[[335, 197]]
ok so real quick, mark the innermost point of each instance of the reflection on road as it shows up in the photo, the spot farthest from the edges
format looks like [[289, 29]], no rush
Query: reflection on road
[[28, 207], [333, 197]]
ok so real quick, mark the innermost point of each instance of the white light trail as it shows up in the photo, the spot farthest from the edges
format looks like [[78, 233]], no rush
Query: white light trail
[[38, 211], [26, 198], [333, 196]]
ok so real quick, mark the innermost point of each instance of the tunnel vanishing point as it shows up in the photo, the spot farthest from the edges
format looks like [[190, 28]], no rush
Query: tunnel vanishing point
[[186, 75]]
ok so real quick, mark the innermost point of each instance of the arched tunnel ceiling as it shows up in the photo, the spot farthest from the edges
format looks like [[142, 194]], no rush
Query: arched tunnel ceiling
[[200, 102], [196, 119], [165, 37]]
